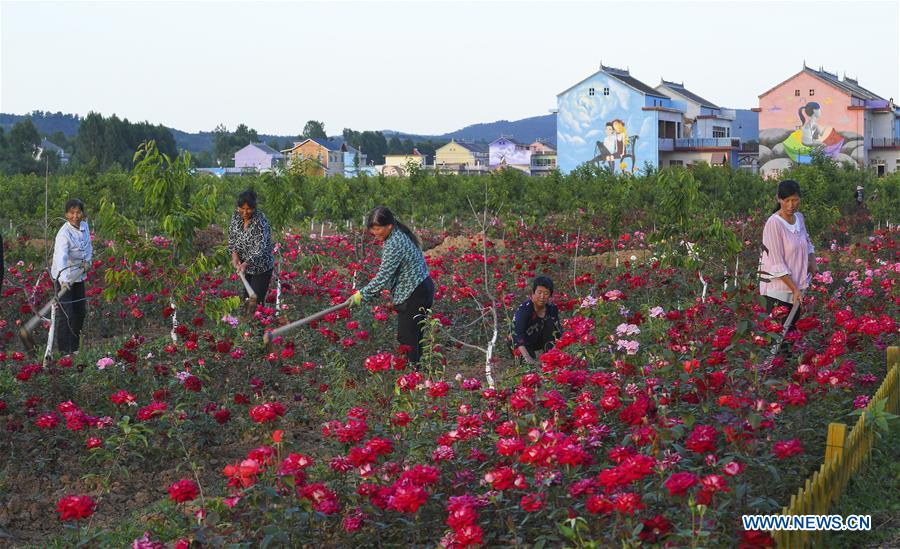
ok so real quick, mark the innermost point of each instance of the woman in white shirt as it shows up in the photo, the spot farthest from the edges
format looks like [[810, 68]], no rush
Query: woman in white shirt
[[788, 254], [72, 253]]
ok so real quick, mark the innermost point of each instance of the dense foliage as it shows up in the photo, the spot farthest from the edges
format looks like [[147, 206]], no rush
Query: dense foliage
[[626, 203]]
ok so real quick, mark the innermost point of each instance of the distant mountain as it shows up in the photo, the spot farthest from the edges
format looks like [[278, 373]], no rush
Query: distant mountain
[[525, 131], [47, 123]]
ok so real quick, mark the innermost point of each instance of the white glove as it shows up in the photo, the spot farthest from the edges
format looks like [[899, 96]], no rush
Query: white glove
[[65, 287], [86, 266]]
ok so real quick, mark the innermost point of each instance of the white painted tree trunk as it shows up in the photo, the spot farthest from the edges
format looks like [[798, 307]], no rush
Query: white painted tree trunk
[[700, 276], [174, 321], [51, 335]]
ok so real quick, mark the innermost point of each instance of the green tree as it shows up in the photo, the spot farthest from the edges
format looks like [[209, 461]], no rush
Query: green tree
[[314, 130], [395, 146], [21, 145], [225, 144]]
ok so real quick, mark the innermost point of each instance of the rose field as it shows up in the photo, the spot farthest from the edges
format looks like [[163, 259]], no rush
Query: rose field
[[658, 419]]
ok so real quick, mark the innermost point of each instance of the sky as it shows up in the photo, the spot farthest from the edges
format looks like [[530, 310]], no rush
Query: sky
[[426, 67]]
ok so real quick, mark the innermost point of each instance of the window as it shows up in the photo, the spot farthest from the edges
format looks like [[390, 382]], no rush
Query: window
[[812, 93], [605, 91], [797, 93], [720, 131], [676, 162], [590, 91]]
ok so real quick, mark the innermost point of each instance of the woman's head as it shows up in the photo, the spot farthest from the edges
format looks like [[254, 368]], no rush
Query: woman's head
[[618, 125], [541, 291], [811, 109], [74, 211], [788, 196], [246, 203], [381, 222]]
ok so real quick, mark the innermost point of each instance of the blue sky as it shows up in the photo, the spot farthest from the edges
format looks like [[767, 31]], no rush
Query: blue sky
[[422, 67]]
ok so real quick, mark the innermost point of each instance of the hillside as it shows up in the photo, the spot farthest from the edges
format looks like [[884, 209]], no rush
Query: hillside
[[525, 130]]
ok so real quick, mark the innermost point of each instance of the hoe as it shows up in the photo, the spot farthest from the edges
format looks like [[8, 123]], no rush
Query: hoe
[[270, 335]]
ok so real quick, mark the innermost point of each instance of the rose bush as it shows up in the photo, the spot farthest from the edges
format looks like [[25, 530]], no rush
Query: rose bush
[[657, 417]]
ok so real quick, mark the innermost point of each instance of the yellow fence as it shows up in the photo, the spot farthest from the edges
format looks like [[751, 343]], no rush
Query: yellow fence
[[843, 455]]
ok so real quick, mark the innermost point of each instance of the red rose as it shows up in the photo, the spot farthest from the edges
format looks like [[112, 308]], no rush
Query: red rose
[[183, 490], [784, 449], [222, 415], [679, 483], [193, 384], [531, 502], [75, 507], [151, 411], [702, 439], [654, 529]]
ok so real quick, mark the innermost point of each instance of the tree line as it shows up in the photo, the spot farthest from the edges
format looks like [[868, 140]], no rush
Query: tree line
[[109, 143], [101, 144]]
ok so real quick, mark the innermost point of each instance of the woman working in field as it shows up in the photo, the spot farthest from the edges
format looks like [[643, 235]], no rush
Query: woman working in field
[[403, 271]]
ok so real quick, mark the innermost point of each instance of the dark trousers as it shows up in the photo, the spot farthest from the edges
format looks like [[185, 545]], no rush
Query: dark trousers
[[260, 284], [771, 303], [70, 318], [409, 315]]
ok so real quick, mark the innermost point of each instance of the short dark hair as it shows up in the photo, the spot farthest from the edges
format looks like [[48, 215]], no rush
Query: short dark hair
[[247, 197], [542, 281], [74, 203]]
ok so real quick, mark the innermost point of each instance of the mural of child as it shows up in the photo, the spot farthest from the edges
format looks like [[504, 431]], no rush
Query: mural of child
[[801, 143], [613, 149], [609, 142]]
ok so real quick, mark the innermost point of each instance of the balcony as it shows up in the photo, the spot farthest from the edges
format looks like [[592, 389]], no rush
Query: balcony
[[884, 142], [708, 142]]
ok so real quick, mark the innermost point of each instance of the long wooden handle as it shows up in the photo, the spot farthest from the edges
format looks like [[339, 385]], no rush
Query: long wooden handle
[[33, 321], [247, 286], [269, 336]]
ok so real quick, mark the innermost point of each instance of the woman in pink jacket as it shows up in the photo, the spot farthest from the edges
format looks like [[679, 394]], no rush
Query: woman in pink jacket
[[788, 255]]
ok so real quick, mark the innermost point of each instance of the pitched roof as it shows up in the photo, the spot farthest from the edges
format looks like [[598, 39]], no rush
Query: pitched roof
[[48, 145], [265, 148], [622, 75], [510, 139], [847, 85], [327, 143], [678, 87], [473, 147]]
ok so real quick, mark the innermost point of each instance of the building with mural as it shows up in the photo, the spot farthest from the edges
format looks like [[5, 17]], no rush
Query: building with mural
[[398, 164], [611, 119], [504, 152], [816, 112]]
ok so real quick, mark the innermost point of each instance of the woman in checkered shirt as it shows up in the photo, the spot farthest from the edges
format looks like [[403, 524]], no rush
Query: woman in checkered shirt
[[250, 244], [403, 271]]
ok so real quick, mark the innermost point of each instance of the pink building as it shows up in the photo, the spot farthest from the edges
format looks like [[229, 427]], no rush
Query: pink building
[[815, 112]]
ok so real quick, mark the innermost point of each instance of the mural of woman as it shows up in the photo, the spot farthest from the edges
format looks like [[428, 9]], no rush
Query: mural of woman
[[801, 143]]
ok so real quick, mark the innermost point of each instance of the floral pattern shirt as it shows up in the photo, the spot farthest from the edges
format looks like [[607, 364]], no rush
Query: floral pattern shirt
[[402, 269], [253, 244]]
